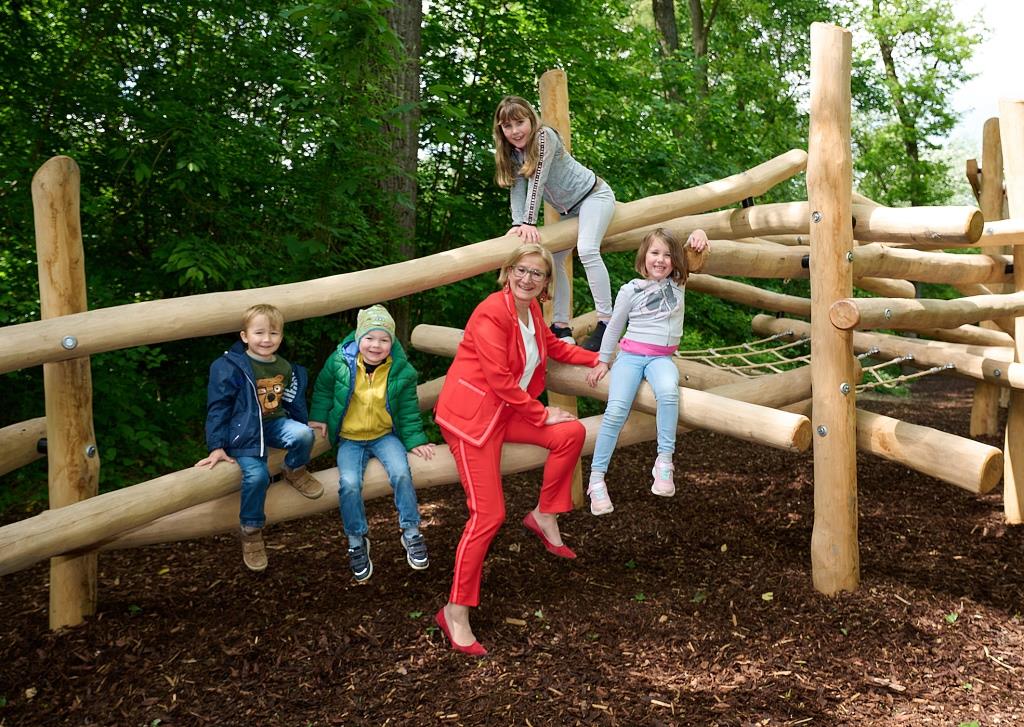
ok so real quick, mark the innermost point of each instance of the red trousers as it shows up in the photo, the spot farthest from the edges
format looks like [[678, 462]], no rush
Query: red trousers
[[480, 472]]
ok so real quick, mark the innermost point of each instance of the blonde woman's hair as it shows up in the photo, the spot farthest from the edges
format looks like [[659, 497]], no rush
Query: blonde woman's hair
[[274, 316], [680, 266], [529, 248], [514, 108]]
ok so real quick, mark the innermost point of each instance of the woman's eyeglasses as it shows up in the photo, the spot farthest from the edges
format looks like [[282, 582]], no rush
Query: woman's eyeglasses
[[522, 271]]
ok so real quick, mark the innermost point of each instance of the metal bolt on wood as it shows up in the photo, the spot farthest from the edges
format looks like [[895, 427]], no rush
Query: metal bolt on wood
[[888, 313], [844, 388], [822, 430], [90, 451], [815, 216], [69, 343]]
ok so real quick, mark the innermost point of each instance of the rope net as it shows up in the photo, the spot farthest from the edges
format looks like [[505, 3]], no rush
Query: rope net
[[775, 354]]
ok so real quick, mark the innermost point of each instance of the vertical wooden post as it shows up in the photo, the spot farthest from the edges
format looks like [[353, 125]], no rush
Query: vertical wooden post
[[835, 560], [554, 106], [985, 407], [1011, 133], [71, 443]]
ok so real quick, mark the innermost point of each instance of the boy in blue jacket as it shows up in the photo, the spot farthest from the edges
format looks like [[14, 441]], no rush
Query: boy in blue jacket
[[255, 400]]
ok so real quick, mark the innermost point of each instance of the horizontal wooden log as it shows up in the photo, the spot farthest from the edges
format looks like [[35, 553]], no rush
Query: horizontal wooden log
[[903, 314], [19, 444], [158, 321], [749, 295], [936, 226], [926, 450], [221, 515], [886, 287], [993, 364], [969, 334], [86, 523], [698, 409], [1002, 232]]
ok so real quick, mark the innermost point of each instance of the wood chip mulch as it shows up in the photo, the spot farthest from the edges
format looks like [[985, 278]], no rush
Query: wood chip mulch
[[694, 610]]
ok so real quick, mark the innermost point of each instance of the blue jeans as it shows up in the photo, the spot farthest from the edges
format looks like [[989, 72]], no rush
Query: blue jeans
[[352, 458], [627, 373], [282, 433]]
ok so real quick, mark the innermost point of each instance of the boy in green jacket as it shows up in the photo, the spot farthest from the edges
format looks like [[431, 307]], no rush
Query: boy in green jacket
[[365, 400]]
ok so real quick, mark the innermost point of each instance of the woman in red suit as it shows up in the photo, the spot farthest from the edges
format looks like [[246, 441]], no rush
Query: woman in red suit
[[489, 398]]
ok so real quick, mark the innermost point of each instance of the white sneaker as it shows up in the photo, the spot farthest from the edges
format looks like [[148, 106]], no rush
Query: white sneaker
[[600, 503], [663, 484]]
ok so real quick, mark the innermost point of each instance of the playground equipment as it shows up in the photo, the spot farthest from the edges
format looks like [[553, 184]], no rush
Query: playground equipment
[[836, 238]]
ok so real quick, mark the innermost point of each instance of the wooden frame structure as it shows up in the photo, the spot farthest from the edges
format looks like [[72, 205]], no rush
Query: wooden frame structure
[[836, 238]]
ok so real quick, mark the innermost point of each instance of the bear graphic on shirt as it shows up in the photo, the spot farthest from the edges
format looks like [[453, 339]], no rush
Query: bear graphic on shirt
[[269, 392]]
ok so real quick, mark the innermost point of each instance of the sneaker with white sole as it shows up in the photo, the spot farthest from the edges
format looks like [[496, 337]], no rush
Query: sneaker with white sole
[[600, 503], [663, 483], [563, 333], [359, 561], [416, 551]]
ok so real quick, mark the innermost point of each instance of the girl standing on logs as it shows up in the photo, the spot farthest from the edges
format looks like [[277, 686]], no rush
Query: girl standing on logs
[[532, 162], [653, 307], [489, 397]]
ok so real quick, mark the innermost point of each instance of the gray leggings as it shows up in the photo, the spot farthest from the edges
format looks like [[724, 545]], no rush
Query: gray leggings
[[595, 213]]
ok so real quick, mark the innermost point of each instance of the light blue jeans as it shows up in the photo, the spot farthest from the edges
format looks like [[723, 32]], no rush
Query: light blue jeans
[[626, 374], [352, 458], [282, 433], [595, 214]]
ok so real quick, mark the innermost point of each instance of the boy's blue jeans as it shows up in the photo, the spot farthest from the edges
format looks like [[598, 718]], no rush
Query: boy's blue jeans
[[627, 373], [282, 433], [352, 458]]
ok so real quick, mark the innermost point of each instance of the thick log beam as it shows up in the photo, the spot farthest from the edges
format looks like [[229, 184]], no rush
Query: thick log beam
[[926, 450], [900, 313], [697, 409], [779, 222], [993, 364], [1011, 136], [968, 334], [835, 558], [158, 321], [84, 524], [19, 444], [1002, 232], [749, 295]]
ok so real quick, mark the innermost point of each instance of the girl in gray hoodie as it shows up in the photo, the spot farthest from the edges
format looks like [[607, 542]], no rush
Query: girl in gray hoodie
[[534, 164], [653, 308]]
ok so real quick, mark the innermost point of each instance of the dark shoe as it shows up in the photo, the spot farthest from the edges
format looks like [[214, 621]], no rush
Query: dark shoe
[[359, 561], [562, 551], [416, 551], [563, 332], [593, 342], [474, 649], [254, 554]]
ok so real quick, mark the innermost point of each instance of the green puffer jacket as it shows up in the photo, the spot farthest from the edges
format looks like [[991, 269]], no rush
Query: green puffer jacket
[[333, 392]]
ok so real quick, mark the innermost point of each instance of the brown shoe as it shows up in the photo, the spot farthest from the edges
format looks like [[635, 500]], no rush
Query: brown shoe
[[304, 482], [254, 555]]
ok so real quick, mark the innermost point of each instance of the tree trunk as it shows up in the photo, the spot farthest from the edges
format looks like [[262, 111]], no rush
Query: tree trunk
[[665, 21], [405, 18], [907, 126]]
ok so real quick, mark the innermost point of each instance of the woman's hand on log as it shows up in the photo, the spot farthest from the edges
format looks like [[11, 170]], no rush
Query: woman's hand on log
[[596, 374], [558, 416]]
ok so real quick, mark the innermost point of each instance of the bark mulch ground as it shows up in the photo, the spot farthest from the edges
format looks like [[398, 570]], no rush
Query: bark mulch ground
[[695, 610]]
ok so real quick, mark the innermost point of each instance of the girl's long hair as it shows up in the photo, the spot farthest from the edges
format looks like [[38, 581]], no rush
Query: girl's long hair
[[680, 267], [513, 108]]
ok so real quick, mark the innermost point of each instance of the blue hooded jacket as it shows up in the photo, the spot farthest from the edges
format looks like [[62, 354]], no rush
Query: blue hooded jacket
[[234, 422]]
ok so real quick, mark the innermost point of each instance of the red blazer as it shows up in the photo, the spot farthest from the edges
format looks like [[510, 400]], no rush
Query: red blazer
[[490, 360]]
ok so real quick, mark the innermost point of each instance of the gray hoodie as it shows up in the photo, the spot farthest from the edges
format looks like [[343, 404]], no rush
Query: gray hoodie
[[559, 180], [654, 311]]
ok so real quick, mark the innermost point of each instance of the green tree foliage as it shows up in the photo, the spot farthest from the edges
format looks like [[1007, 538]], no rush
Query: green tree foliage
[[223, 145], [903, 81]]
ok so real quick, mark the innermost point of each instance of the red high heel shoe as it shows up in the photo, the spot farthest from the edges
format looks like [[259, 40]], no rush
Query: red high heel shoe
[[474, 649], [562, 551]]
